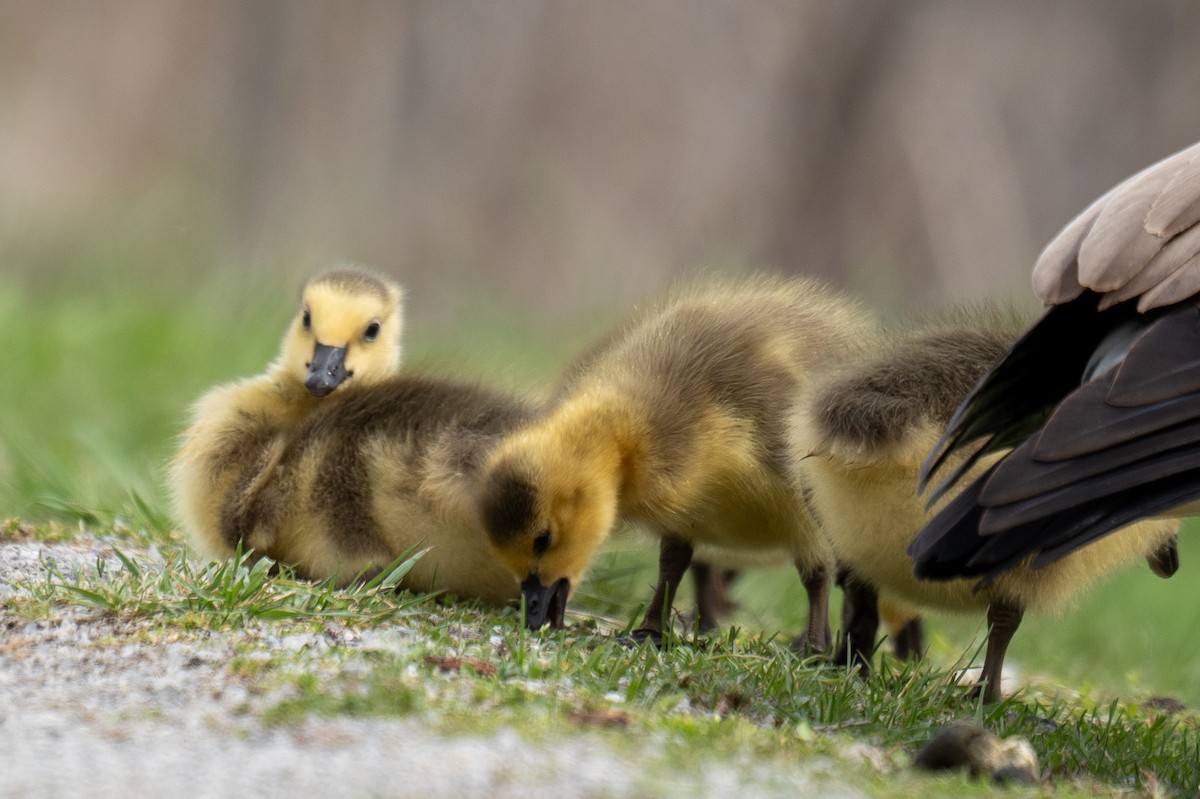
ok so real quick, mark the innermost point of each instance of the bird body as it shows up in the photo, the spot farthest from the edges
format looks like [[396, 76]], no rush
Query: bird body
[[346, 331], [384, 469], [678, 422], [335, 463]]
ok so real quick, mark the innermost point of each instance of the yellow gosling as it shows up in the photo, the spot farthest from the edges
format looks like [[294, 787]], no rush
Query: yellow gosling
[[383, 469], [345, 332], [874, 425], [677, 421]]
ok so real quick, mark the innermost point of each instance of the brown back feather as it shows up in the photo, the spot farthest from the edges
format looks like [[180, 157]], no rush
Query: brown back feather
[[724, 344], [420, 411], [920, 378]]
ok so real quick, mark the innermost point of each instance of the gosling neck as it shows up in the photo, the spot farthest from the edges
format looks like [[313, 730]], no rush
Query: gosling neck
[[603, 432]]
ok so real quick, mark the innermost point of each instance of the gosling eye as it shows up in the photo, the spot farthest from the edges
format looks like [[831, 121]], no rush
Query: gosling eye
[[307, 320], [542, 542], [372, 332]]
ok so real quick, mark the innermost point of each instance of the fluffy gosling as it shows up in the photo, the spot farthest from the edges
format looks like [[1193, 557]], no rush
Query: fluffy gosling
[[346, 331], [874, 425], [380, 470], [677, 421]]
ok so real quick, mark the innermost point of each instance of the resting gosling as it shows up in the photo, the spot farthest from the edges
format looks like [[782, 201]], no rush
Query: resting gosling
[[379, 470], [677, 421], [346, 331], [1099, 401], [874, 426]]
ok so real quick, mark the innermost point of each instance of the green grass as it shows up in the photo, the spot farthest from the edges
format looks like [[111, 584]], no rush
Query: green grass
[[1136, 636], [98, 387], [223, 593], [701, 699]]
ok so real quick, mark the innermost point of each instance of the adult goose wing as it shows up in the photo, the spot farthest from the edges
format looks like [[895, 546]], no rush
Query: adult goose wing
[[1098, 401]]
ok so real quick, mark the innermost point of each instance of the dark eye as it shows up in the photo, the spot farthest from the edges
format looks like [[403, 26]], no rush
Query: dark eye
[[542, 542], [372, 332], [307, 321]]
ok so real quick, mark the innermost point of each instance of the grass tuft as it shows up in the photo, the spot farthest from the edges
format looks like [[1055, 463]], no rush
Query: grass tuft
[[224, 593]]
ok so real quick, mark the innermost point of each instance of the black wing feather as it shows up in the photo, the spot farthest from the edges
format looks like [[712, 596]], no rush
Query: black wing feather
[[1124, 509], [1163, 363], [1093, 468], [998, 519], [1017, 479]]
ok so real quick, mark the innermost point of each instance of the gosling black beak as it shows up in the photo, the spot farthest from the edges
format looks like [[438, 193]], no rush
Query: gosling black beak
[[545, 603], [326, 371]]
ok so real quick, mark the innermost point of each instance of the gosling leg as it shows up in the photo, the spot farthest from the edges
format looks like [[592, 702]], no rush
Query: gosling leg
[[909, 643], [817, 635], [674, 556], [1003, 620], [713, 604], [860, 623]]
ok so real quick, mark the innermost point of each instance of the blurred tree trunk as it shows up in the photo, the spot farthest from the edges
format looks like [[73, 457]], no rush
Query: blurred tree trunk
[[570, 154]]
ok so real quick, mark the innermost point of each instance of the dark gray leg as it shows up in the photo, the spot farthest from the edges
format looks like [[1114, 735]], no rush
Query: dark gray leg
[[1003, 620], [713, 604], [674, 556], [860, 623], [909, 643], [817, 635]]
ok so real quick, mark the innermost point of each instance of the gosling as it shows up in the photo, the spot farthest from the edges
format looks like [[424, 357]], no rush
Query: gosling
[[874, 425], [345, 332], [676, 421], [382, 470]]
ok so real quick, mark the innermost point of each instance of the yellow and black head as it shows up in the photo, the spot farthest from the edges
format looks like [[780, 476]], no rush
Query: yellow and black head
[[348, 326], [546, 516]]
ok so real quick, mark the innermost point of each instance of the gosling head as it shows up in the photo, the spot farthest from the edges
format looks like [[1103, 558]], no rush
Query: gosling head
[[546, 516], [348, 326]]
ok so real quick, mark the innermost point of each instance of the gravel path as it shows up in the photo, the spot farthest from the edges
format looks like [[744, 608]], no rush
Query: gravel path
[[96, 706]]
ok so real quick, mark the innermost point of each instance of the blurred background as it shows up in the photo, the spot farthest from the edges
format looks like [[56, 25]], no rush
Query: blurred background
[[171, 170], [561, 155]]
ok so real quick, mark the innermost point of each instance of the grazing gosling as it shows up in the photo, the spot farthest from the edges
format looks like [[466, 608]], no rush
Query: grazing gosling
[[346, 331], [874, 424], [677, 421], [1098, 405], [380, 470]]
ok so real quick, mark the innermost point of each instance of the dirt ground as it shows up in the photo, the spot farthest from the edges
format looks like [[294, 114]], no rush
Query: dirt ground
[[99, 706]]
